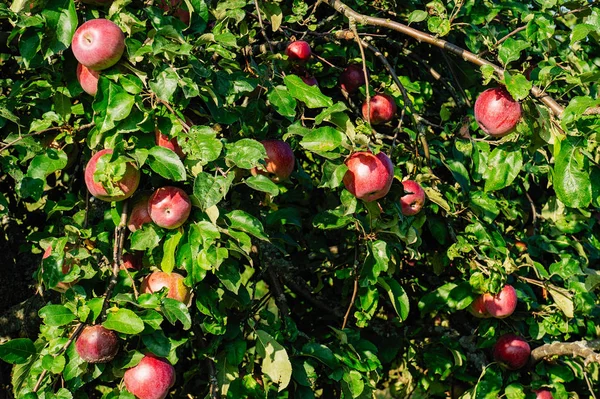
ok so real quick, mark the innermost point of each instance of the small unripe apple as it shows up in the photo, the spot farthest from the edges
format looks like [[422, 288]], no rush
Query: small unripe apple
[[98, 44], [97, 344], [512, 351], [169, 207], [131, 262], [543, 394], [310, 80], [369, 177], [127, 184], [171, 143], [88, 79], [151, 378], [280, 161], [383, 109], [412, 202], [173, 281], [496, 112], [352, 78], [139, 214], [503, 304], [477, 308], [298, 51]]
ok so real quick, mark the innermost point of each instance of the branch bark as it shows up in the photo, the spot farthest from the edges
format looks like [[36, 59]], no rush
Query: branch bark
[[342, 8], [584, 349]]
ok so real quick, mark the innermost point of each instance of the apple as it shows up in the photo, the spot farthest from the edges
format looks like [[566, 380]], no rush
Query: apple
[[151, 378], [176, 8], [477, 308], [310, 80], [352, 78], [512, 351], [298, 51], [88, 79], [171, 143], [412, 202], [496, 112], [169, 207], [98, 44], [369, 177], [383, 109], [139, 214], [173, 281], [128, 183], [97, 344], [131, 262], [502, 304], [61, 287], [280, 161], [543, 394]]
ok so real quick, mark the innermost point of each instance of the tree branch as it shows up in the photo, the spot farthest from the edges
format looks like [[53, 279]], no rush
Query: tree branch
[[584, 349], [342, 8]]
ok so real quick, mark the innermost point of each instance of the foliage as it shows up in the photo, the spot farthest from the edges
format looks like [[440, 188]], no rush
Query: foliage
[[274, 266]]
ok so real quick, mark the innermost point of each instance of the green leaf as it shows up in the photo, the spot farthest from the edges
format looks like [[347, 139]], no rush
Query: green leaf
[[243, 221], [56, 315], [338, 108], [502, 169], [166, 163], [514, 391], [282, 101], [124, 321], [490, 385], [61, 23], [164, 84], [276, 363], [262, 183], [175, 310], [562, 300], [148, 237], [111, 104], [571, 176], [167, 264], [229, 275], [352, 384], [333, 174], [202, 144], [323, 139], [397, 296], [580, 32], [576, 108], [518, 86], [53, 364], [17, 351], [210, 190], [246, 153], [511, 50], [417, 16], [375, 263], [310, 95]]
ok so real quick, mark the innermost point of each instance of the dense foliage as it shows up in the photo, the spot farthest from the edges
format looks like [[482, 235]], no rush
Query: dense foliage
[[299, 289]]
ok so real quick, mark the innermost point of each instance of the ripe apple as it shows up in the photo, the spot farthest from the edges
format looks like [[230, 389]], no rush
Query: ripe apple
[[98, 44], [280, 161], [169, 207], [477, 308], [496, 112], [502, 304], [352, 78], [543, 394], [88, 79], [298, 51], [412, 202], [97, 344], [139, 214], [173, 281], [131, 262], [310, 80], [512, 351], [176, 8], [127, 184], [369, 177], [383, 109], [171, 143], [151, 378]]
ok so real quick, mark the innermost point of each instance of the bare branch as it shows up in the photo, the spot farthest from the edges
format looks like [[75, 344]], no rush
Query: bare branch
[[585, 349]]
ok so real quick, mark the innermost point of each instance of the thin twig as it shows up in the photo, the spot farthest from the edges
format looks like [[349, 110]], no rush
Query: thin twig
[[50, 129], [351, 304], [185, 126], [365, 70], [499, 42], [262, 26]]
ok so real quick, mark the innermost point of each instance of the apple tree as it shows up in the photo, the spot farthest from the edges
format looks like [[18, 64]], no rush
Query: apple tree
[[290, 199]]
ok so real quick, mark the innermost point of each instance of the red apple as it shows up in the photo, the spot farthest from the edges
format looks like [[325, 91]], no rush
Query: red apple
[[176, 8], [171, 143], [496, 112], [280, 161], [352, 78], [151, 378], [88, 79], [369, 177], [169, 207], [139, 214], [477, 308], [543, 394], [298, 51], [131, 262], [502, 304], [310, 80], [173, 281], [412, 202], [383, 109], [127, 184], [512, 351], [98, 44], [97, 344]]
